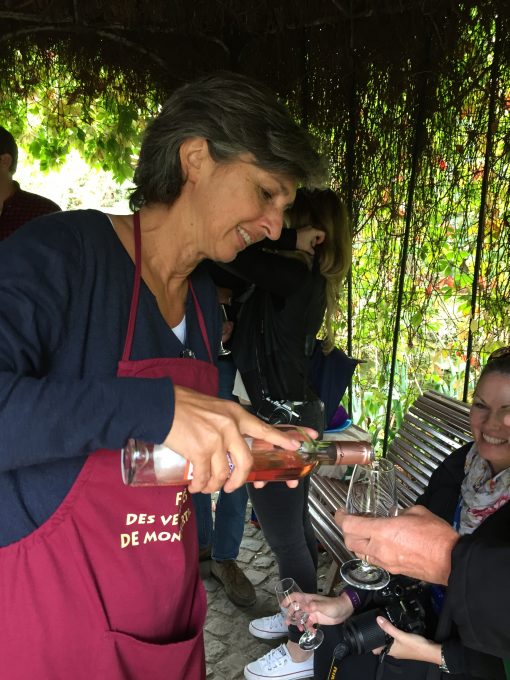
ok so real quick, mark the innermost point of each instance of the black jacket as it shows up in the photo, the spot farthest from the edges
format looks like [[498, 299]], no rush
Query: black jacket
[[276, 327], [475, 620]]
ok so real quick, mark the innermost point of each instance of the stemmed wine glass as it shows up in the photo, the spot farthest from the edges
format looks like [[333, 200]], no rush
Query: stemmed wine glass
[[285, 589], [372, 493], [223, 351]]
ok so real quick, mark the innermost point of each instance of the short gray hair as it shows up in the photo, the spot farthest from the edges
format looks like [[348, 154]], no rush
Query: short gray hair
[[236, 115]]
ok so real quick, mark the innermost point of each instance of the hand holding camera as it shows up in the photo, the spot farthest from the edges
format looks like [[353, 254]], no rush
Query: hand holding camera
[[307, 238], [409, 645], [400, 602]]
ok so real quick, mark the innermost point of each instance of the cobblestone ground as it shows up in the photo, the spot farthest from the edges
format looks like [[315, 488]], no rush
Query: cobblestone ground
[[228, 644]]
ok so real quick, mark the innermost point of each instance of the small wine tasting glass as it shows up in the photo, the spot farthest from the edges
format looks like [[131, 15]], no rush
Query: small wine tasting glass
[[285, 589]]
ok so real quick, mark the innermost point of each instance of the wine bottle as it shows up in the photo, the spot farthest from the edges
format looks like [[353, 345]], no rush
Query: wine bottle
[[146, 464]]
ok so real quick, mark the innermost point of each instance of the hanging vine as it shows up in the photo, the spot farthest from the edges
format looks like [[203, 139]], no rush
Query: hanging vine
[[356, 79]]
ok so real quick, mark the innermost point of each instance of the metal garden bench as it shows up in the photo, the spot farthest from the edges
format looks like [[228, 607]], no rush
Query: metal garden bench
[[434, 426]]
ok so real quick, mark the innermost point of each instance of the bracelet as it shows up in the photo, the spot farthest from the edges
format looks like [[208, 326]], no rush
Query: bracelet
[[443, 667], [353, 597]]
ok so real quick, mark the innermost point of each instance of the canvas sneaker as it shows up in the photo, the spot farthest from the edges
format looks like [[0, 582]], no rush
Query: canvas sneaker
[[277, 664], [269, 627]]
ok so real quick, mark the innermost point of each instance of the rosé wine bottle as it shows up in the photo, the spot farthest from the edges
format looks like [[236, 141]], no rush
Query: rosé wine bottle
[[146, 464]]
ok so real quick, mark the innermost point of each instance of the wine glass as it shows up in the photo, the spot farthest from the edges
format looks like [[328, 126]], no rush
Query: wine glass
[[285, 589], [372, 493], [223, 351]]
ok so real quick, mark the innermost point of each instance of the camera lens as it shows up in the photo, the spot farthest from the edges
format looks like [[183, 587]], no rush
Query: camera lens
[[399, 603], [362, 633], [280, 417]]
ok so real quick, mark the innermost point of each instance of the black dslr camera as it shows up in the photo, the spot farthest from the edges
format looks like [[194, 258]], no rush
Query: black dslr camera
[[401, 602], [277, 412]]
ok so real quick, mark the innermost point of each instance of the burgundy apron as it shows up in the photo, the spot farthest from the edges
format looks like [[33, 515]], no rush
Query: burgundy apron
[[108, 587]]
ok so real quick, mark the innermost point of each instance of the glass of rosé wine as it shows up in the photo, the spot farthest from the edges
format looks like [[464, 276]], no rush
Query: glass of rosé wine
[[372, 493]]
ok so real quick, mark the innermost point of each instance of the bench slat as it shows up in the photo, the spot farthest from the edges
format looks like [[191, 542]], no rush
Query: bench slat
[[419, 476], [327, 531], [456, 407], [441, 440], [412, 448], [440, 420], [410, 479]]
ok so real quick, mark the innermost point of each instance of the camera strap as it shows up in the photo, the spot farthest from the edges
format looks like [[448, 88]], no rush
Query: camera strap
[[262, 375], [261, 366], [333, 670], [382, 658], [310, 339], [339, 653], [342, 650]]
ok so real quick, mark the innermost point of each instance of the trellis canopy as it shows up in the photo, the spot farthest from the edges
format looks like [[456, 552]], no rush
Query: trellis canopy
[[307, 50], [410, 99]]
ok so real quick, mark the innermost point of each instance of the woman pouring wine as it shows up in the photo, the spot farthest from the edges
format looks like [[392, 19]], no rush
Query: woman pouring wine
[[109, 329]]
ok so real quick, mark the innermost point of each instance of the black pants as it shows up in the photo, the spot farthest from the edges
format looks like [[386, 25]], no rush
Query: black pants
[[285, 521]]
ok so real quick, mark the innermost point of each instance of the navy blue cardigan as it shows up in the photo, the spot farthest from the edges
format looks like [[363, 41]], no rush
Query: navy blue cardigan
[[65, 290]]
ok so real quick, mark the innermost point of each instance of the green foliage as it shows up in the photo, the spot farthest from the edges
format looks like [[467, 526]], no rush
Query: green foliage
[[368, 120], [52, 116], [447, 206]]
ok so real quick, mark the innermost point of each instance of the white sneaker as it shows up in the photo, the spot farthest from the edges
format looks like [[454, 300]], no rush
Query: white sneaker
[[278, 665], [269, 627]]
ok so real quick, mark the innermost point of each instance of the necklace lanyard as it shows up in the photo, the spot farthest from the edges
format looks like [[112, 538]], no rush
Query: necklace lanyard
[[456, 517]]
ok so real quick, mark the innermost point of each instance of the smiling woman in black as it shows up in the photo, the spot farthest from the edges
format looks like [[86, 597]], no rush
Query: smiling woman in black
[[467, 634]]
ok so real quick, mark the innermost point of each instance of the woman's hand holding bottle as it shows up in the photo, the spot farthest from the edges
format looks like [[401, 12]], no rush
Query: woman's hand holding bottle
[[204, 428]]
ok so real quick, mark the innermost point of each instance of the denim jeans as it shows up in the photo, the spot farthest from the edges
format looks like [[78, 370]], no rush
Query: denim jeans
[[226, 534]]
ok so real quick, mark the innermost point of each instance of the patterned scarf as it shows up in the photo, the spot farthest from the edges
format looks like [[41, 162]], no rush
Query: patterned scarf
[[481, 492]]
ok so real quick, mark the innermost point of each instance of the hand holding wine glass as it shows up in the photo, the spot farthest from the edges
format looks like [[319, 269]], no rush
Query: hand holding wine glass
[[285, 590], [372, 493]]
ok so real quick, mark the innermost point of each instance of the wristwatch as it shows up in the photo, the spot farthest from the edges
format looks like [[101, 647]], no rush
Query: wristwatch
[[443, 667]]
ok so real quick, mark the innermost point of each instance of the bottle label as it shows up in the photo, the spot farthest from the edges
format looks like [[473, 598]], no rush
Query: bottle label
[[188, 471], [259, 444], [167, 467]]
